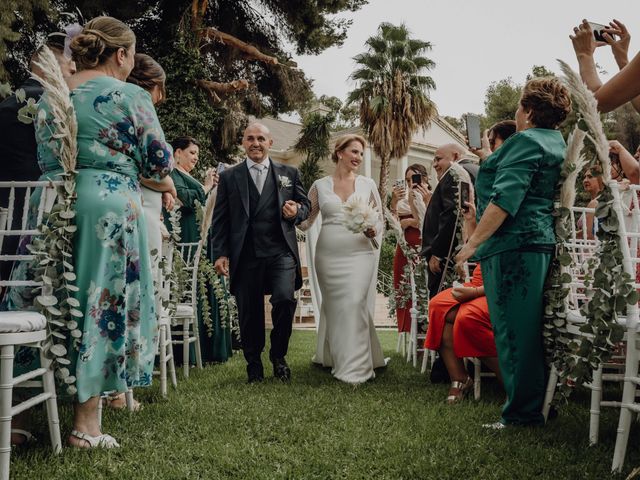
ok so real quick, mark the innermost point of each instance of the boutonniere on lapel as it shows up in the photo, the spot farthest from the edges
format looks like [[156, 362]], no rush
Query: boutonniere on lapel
[[283, 182]]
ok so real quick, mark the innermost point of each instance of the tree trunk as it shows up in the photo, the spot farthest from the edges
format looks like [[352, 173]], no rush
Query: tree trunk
[[384, 178]]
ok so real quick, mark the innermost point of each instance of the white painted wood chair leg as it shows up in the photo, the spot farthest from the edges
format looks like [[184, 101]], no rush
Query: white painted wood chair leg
[[477, 378], [551, 390], [99, 411], [594, 411], [172, 363], [399, 342], [6, 394], [185, 347], [49, 386], [425, 360], [128, 396], [196, 334], [628, 398], [163, 360]]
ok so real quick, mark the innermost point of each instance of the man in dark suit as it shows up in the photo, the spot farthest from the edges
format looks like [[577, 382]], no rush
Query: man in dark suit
[[18, 149], [258, 204], [438, 230]]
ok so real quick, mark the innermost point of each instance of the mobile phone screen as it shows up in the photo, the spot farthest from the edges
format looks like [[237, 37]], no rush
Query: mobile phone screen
[[598, 30], [464, 196], [473, 131], [416, 179]]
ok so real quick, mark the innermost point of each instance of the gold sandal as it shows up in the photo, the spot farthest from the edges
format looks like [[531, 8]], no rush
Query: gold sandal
[[463, 390]]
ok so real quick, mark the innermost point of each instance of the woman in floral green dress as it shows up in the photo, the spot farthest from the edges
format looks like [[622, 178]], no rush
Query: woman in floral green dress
[[119, 140]]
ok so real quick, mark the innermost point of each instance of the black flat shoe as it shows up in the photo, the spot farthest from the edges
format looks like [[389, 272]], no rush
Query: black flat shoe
[[281, 370], [255, 379]]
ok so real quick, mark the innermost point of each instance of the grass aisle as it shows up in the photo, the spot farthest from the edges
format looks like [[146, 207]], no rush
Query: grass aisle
[[395, 427]]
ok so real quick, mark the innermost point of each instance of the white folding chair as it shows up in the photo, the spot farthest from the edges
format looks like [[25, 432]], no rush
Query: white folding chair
[[24, 328], [582, 249], [630, 235], [186, 314], [165, 346]]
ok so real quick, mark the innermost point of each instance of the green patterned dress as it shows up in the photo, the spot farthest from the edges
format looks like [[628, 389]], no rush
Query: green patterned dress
[[119, 139], [521, 178], [215, 345]]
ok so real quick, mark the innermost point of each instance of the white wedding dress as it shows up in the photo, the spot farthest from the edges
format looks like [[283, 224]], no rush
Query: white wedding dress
[[345, 265]]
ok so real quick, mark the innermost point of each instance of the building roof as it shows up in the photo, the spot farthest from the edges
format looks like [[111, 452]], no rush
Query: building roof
[[284, 134]]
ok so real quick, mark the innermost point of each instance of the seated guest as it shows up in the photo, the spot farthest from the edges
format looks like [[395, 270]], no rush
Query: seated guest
[[408, 205], [18, 151], [215, 345], [459, 324]]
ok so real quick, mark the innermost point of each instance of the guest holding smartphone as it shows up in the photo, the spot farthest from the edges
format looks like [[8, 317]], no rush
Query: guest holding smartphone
[[408, 204]]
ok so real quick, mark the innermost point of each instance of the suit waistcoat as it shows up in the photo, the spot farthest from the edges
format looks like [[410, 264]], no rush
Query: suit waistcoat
[[264, 236]]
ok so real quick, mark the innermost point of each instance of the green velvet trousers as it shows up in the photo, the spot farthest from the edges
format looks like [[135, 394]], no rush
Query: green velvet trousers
[[514, 286]]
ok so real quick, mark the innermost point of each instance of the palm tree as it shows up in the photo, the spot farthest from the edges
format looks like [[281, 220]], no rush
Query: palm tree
[[393, 93], [314, 142]]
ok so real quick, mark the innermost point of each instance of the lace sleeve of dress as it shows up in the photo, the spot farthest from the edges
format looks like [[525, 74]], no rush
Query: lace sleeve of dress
[[374, 200], [314, 211]]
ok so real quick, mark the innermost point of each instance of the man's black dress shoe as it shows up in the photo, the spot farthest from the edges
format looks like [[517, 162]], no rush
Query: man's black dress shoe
[[281, 370], [255, 373]]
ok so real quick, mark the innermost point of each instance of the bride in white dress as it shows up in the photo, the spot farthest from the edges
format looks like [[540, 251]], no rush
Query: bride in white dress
[[345, 265]]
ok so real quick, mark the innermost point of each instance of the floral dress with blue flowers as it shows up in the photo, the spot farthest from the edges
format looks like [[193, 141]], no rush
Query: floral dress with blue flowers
[[119, 139]]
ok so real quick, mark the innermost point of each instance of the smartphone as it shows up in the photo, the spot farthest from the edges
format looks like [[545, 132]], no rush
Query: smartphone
[[416, 179], [221, 167], [465, 196], [473, 131], [398, 183], [598, 30]]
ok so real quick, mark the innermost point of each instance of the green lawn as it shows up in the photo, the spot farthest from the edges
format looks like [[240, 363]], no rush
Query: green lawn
[[395, 427]]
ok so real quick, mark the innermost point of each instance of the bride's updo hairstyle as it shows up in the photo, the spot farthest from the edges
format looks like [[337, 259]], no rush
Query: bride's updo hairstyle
[[344, 141], [100, 38]]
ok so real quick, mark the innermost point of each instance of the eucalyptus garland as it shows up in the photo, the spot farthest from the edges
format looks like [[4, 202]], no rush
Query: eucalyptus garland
[[53, 248]]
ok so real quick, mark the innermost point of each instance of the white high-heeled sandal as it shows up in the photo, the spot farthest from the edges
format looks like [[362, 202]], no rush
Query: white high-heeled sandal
[[100, 441]]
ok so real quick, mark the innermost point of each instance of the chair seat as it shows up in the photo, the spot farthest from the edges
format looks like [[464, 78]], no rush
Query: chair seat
[[184, 310], [22, 322]]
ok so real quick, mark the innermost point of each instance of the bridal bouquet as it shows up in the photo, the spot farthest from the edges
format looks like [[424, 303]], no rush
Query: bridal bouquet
[[359, 216]]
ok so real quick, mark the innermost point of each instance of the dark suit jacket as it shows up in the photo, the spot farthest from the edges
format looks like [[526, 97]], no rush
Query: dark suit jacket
[[440, 219], [231, 214], [18, 160], [471, 167], [18, 148]]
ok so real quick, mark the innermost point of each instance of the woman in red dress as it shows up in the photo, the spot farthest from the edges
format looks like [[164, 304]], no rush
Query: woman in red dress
[[406, 205]]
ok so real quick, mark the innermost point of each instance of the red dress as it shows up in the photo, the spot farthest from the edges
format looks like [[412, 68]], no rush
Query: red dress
[[472, 332], [403, 312]]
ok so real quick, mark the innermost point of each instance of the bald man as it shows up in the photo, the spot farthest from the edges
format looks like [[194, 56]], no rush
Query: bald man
[[258, 204], [438, 230]]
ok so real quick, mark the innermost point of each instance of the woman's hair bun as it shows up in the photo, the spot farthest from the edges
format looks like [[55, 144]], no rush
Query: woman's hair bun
[[86, 48]]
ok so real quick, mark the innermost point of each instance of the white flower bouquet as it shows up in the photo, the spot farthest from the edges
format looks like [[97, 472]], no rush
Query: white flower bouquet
[[359, 216]]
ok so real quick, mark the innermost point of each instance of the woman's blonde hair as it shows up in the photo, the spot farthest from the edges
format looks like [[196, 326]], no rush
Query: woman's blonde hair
[[342, 143], [100, 38]]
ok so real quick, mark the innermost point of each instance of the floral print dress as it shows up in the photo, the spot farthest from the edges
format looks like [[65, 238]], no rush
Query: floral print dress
[[119, 139]]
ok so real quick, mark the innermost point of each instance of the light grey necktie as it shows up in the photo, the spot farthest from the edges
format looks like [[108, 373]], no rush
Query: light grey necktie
[[259, 176]]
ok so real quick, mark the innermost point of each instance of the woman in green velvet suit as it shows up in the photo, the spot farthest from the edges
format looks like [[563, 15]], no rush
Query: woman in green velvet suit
[[515, 239], [217, 347]]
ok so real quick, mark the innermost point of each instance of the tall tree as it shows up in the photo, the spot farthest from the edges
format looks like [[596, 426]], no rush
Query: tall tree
[[393, 93], [314, 142], [224, 59]]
